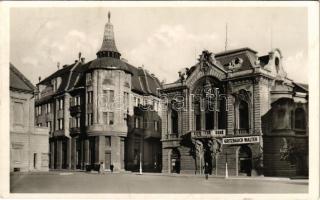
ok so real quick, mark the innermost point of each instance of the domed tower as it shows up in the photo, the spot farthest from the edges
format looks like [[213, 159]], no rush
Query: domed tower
[[108, 90]]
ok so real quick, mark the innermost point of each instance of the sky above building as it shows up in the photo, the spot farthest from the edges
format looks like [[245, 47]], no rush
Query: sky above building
[[162, 40]]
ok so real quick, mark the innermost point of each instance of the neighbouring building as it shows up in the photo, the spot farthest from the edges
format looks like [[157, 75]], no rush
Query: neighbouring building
[[28, 144], [239, 111], [104, 110]]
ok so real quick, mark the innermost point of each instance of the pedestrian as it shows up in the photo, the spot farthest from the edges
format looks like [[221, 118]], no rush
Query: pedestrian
[[101, 168], [206, 170], [111, 167]]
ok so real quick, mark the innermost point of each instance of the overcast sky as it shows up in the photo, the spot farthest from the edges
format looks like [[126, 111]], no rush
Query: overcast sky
[[164, 40]]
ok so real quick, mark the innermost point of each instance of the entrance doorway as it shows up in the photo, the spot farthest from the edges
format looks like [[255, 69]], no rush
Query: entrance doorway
[[245, 161], [175, 161]]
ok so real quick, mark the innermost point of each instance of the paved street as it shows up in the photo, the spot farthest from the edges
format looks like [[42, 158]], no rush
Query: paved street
[[81, 182]]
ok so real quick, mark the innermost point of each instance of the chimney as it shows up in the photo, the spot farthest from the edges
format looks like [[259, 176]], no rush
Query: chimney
[[58, 65], [124, 60], [82, 60], [39, 79], [79, 56]]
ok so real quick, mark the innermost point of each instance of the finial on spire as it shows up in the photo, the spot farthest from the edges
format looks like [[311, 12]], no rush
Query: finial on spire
[[109, 16]]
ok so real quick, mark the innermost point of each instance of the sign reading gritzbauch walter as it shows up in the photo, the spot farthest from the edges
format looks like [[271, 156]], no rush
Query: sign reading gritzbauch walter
[[241, 140]]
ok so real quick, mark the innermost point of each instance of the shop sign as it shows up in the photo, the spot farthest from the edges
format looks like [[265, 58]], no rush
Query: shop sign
[[241, 140]]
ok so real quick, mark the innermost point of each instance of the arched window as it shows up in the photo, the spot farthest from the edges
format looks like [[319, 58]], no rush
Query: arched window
[[243, 115], [300, 119], [174, 121]]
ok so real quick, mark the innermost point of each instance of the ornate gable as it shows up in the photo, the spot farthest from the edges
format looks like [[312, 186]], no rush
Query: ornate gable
[[207, 66]]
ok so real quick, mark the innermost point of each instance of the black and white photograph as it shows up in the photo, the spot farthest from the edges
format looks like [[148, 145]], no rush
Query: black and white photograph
[[168, 99]]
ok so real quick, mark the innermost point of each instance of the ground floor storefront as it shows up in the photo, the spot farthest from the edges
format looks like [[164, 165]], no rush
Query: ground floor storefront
[[218, 158], [87, 152], [114, 152]]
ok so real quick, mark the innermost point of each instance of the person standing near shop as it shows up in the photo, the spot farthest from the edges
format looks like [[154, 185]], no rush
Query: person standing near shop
[[101, 169], [206, 170]]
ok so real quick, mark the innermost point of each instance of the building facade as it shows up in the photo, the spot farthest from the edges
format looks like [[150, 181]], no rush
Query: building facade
[[92, 110], [28, 144], [237, 113]]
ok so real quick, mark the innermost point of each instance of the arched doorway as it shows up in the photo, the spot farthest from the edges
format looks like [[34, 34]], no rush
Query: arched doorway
[[244, 161], [175, 161]]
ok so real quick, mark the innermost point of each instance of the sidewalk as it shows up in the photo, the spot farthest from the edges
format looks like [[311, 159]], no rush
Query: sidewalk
[[303, 180], [72, 172]]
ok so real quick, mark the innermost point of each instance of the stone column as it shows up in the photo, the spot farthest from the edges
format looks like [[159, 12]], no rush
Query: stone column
[[122, 153], [94, 97], [52, 155], [115, 152], [73, 153], [59, 154], [86, 152], [101, 148]]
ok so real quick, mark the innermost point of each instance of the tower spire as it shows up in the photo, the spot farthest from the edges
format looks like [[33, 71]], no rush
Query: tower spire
[[108, 47]]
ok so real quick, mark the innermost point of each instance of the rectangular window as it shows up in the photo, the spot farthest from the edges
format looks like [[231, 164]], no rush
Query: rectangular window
[[111, 117], [138, 101], [156, 124], [49, 125], [89, 97], [108, 141], [18, 113], [60, 102], [105, 117], [78, 122], [135, 101], [89, 119], [49, 108], [77, 101], [61, 124], [125, 98], [111, 96], [137, 122], [38, 110]]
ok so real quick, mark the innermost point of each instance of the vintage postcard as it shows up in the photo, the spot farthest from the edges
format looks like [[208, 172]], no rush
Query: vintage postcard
[[160, 100]]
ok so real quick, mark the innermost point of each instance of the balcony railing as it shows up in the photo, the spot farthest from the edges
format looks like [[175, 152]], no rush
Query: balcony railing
[[172, 85], [241, 131], [172, 136], [75, 109], [208, 133]]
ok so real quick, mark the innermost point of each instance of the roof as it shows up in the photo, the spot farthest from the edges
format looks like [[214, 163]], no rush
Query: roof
[[73, 76], [246, 54], [58, 73], [19, 82], [233, 51], [142, 81], [109, 63], [302, 86]]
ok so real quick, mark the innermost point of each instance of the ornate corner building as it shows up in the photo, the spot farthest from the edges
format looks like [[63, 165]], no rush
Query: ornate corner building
[[92, 111], [236, 113]]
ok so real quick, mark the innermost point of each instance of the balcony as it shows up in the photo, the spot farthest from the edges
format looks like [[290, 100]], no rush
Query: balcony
[[74, 130], [75, 109], [242, 131], [172, 136], [199, 134], [149, 134]]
